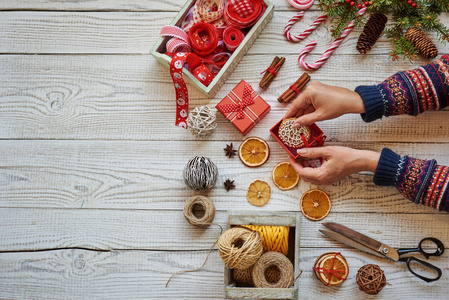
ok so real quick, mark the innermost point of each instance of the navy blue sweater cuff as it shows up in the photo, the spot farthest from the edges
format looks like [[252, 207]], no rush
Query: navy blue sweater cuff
[[385, 174], [372, 99]]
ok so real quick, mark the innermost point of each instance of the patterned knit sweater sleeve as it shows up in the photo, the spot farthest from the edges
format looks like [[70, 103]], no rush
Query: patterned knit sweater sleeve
[[422, 181], [409, 92]]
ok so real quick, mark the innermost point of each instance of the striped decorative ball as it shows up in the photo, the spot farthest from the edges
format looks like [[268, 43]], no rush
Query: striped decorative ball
[[200, 173]]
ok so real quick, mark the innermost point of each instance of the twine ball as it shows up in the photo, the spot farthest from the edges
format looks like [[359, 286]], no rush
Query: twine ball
[[274, 238], [202, 120], [202, 203], [239, 247], [200, 173], [371, 279], [244, 277], [280, 262]]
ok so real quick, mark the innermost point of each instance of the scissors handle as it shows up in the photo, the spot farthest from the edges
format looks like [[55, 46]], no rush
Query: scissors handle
[[410, 259], [439, 248]]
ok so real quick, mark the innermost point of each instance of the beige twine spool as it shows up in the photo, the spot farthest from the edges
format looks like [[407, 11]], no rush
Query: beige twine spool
[[240, 247], [205, 204], [280, 262], [244, 277]]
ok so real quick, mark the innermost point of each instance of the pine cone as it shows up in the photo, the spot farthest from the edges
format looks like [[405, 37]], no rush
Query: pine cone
[[371, 32], [422, 43]]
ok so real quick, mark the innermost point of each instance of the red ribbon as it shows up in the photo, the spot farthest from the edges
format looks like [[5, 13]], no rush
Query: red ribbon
[[331, 271], [182, 96], [232, 37], [243, 13], [203, 38], [246, 101]]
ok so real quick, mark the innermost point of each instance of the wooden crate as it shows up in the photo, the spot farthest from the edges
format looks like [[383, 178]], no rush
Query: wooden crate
[[290, 219], [159, 49]]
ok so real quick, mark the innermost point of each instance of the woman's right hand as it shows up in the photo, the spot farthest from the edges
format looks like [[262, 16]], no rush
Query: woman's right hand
[[321, 102]]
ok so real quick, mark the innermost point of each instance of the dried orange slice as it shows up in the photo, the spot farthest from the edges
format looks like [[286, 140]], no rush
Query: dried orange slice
[[331, 268], [254, 152], [284, 176], [315, 204], [259, 193]]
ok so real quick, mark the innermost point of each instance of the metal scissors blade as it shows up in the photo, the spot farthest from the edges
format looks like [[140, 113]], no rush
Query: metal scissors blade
[[363, 240]]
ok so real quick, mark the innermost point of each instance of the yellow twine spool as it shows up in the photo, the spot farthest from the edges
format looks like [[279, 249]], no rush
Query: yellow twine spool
[[274, 238]]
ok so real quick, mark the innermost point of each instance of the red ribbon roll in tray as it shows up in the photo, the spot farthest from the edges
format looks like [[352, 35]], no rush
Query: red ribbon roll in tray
[[203, 38], [232, 37], [243, 13]]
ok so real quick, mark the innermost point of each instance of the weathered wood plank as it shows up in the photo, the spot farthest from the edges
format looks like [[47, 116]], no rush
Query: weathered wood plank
[[112, 5], [148, 175], [31, 229], [80, 274], [117, 97], [136, 32]]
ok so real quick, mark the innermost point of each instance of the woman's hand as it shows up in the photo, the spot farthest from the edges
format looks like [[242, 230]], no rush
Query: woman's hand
[[321, 102], [338, 162]]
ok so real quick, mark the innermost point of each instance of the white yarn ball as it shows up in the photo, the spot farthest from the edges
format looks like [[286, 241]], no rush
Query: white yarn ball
[[200, 173], [202, 120]]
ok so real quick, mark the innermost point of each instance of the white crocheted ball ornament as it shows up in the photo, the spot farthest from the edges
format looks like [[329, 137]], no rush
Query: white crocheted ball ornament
[[292, 136]]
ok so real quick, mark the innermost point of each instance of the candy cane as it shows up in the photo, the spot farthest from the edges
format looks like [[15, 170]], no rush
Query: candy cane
[[306, 32], [301, 4], [310, 46]]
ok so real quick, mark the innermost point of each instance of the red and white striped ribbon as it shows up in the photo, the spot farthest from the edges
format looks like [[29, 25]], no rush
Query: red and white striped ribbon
[[178, 42], [232, 37]]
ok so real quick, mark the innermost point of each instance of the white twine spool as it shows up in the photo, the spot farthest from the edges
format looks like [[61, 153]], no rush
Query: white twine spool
[[200, 173], [202, 120]]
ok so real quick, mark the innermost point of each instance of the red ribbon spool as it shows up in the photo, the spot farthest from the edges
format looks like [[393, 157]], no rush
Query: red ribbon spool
[[203, 38], [243, 13], [232, 37]]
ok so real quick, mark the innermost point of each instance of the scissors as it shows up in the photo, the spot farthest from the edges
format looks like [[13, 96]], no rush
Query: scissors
[[362, 242]]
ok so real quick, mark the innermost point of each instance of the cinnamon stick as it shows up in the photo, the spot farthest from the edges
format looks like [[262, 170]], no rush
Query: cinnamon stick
[[289, 94], [265, 84], [273, 63]]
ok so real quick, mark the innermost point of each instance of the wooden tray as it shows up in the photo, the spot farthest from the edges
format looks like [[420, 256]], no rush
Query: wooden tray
[[290, 219]]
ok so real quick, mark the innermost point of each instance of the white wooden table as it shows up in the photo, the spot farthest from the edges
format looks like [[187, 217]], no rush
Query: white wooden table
[[91, 191]]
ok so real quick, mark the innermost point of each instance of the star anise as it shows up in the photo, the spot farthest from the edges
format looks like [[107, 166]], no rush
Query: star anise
[[229, 150], [229, 185]]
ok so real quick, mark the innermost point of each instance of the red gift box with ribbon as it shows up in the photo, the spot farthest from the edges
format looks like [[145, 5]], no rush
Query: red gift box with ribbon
[[243, 107], [316, 139]]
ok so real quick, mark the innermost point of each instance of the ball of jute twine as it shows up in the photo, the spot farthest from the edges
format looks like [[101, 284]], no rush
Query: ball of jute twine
[[200, 173], [244, 277], [209, 214], [205, 205], [278, 260], [202, 120], [239, 247], [371, 279], [274, 238]]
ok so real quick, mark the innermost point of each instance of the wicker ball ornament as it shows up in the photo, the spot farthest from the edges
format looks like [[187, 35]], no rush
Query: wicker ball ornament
[[292, 136], [423, 44], [200, 173], [202, 120], [371, 279]]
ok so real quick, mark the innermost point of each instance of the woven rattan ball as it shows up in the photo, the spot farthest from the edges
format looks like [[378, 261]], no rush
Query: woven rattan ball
[[202, 120], [239, 247], [205, 205], [292, 136], [200, 173], [280, 262], [371, 279]]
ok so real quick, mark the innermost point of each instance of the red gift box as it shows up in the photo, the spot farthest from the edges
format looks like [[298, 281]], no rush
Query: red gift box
[[316, 139], [234, 107]]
